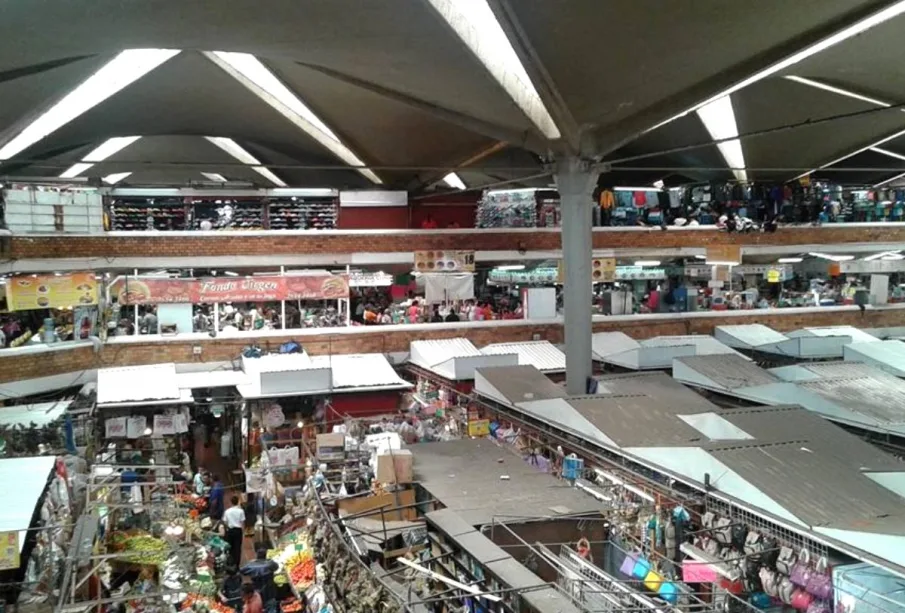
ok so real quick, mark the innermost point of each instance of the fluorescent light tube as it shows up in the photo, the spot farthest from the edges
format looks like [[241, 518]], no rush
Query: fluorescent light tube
[[647, 263], [891, 154], [118, 73], [885, 139], [511, 267], [99, 154], [254, 75], [477, 27], [214, 176], [234, 149], [790, 260], [832, 257], [719, 119], [890, 180], [454, 181], [116, 177], [649, 188], [75, 170], [838, 90]]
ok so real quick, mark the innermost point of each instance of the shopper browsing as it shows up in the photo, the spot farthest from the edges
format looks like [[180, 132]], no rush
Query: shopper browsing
[[231, 589], [251, 600], [217, 495], [234, 518], [261, 571]]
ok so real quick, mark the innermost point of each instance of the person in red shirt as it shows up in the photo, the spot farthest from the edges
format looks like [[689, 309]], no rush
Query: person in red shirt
[[251, 600], [429, 223]]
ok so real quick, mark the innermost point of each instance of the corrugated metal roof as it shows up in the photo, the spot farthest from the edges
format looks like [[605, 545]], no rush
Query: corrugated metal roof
[[359, 370], [704, 345], [878, 395], [605, 344], [151, 382], [749, 336], [276, 362], [514, 384], [211, 378], [40, 414], [783, 424], [729, 371], [857, 336], [888, 356], [434, 352], [817, 488], [657, 386], [637, 421], [543, 355], [449, 522], [27, 478]]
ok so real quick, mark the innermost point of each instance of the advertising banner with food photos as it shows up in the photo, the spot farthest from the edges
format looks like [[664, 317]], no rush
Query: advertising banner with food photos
[[444, 261], [147, 290], [30, 292]]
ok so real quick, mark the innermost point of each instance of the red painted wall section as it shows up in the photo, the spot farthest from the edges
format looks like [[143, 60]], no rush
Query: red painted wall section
[[364, 404], [446, 210], [374, 218]]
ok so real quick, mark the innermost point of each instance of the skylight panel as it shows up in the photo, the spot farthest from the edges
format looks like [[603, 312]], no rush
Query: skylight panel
[[476, 25], [99, 154], [719, 119], [248, 70], [454, 181], [234, 149], [115, 75]]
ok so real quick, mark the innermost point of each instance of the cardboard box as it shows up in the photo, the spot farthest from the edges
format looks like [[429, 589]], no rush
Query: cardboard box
[[331, 446], [395, 467]]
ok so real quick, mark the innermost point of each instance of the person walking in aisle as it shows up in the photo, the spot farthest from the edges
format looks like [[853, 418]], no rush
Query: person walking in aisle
[[217, 498], [234, 518]]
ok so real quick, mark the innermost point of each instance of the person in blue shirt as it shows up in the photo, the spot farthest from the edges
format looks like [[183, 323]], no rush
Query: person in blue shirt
[[216, 498]]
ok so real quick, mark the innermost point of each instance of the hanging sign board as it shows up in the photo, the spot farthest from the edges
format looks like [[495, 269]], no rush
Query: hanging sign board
[[146, 290], [774, 276], [721, 273], [724, 254], [479, 427], [115, 427], [444, 261], [9, 550], [26, 293], [164, 425], [603, 270]]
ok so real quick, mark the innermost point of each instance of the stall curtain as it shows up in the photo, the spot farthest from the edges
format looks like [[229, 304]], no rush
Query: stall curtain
[[445, 287]]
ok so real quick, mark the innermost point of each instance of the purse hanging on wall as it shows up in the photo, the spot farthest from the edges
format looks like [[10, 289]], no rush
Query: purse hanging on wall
[[785, 561], [820, 584], [801, 571]]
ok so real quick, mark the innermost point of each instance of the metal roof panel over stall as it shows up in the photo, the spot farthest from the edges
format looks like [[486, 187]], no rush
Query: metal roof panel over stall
[[748, 336], [283, 375], [455, 359], [655, 353], [140, 385], [27, 478], [543, 355], [40, 414], [763, 459], [888, 356]]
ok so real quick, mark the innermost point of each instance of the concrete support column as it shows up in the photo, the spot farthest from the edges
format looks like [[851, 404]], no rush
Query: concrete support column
[[575, 181]]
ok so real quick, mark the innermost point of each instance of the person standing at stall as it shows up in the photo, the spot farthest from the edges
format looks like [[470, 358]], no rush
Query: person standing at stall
[[231, 589], [217, 496], [251, 600], [261, 571], [234, 518]]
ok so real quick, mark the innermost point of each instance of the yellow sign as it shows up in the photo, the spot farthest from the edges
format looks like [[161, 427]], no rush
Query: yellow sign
[[9, 550], [27, 292], [479, 427], [774, 276], [724, 254], [444, 261]]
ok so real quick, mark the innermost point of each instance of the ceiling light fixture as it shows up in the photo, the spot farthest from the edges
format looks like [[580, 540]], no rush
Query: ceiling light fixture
[[234, 149], [116, 177], [647, 263], [478, 28], [99, 154], [250, 72], [838, 90], [454, 181], [844, 34], [719, 119], [215, 177], [831, 257], [124, 69], [659, 184], [511, 267], [880, 255], [790, 260], [891, 154]]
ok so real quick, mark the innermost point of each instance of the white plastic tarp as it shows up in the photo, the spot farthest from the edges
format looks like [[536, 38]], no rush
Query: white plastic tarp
[[446, 287]]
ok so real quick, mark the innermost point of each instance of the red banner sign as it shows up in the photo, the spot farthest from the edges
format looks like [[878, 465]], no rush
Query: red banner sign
[[146, 290]]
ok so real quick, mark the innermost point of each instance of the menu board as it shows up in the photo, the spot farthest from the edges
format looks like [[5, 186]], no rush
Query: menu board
[[30, 292], [145, 290], [444, 261], [724, 254]]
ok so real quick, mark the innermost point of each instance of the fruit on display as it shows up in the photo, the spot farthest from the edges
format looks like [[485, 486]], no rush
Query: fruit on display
[[302, 575], [201, 604], [141, 549], [290, 606]]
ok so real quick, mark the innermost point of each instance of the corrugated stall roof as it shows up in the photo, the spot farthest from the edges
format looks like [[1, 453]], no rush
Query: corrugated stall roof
[[40, 414], [211, 378], [513, 384], [27, 478], [637, 421], [434, 352], [876, 394], [605, 344], [360, 370], [543, 355], [131, 384], [888, 356], [857, 336], [748, 336], [276, 362], [726, 371]]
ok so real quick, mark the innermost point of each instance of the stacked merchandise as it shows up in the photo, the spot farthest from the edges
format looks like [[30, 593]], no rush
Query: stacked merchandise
[[550, 213], [136, 214], [507, 209], [303, 213], [228, 214]]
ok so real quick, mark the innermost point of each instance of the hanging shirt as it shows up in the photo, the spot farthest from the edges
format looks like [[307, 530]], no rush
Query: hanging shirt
[[607, 201]]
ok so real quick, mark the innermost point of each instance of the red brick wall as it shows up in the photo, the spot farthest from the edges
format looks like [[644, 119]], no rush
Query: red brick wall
[[17, 367], [229, 244]]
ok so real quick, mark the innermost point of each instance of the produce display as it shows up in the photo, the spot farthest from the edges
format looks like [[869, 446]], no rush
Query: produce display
[[140, 548], [301, 569], [202, 604]]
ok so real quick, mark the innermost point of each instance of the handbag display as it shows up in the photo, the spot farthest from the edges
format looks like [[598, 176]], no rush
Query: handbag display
[[628, 565], [801, 600], [820, 584], [818, 606], [785, 589], [769, 582], [786, 560], [641, 569], [722, 530], [707, 520], [754, 544], [653, 581], [801, 571]]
